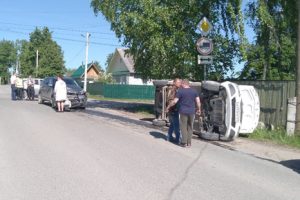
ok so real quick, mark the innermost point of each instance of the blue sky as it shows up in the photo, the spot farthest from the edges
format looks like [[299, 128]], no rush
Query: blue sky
[[67, 19]]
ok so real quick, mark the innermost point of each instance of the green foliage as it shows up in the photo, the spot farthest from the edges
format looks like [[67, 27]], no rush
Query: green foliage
[[106, 78], [161, 35], [272, 56], [108, 59], [50, 55], [8, 54], [277, 136]]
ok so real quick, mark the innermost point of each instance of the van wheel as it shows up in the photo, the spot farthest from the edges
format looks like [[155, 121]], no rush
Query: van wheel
[[40, 100]]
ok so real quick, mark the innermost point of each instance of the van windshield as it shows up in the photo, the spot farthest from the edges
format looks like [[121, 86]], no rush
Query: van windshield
[[70, 82]]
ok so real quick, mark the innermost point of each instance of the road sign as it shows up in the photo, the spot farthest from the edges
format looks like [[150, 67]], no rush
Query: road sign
[[205, 60], [204, 26], [204, 46]]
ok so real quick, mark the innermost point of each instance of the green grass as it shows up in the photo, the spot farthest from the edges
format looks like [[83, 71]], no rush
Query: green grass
[[97, 97], [277, 136]]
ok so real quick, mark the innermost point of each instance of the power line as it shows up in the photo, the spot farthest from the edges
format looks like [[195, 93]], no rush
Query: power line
[[60, 38], [57, 28]]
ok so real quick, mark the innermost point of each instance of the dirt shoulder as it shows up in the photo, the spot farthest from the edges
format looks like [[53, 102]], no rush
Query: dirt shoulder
[[259, 149]]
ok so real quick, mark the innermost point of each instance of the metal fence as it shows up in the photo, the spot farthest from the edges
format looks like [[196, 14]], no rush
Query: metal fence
[[273, 96], [122, 91]]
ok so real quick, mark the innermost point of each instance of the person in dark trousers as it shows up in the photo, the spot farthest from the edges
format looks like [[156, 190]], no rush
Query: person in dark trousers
[[189, 105], [30, 88], [13, 86], [173, 112], [19, 87]]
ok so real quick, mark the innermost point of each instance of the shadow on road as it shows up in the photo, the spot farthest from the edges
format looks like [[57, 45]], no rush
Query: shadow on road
[[158, 135], [292, 164], [132, 107], [122, 119]]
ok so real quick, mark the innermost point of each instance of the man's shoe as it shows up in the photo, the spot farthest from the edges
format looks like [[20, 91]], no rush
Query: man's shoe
[[182, 145]]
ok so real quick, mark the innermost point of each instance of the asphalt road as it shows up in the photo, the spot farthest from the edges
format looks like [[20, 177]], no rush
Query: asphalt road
[[93, 156]]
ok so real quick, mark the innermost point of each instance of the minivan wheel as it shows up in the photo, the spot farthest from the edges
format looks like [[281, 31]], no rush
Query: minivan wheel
[[40, 100]]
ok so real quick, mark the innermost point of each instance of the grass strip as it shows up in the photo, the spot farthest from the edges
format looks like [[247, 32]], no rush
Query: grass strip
[[277, 136]]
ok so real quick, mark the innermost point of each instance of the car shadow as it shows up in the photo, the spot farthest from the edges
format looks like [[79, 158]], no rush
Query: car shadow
[[292, 164]]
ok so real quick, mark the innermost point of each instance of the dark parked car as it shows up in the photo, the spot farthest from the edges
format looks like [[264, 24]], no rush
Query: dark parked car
[[76, 96]]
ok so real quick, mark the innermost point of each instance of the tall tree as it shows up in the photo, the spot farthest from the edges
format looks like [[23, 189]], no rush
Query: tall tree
[[108, 59], [50, 55], [161, 35], [8, 55], [272, 56]]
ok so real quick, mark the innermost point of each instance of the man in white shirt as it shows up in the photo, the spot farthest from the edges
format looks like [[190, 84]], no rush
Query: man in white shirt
[[13, 86]]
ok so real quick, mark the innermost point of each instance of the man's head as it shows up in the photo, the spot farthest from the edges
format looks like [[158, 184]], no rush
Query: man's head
[[185, 83], [177, 82]]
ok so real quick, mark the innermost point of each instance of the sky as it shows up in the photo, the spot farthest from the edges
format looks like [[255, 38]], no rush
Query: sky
[[68, 20]]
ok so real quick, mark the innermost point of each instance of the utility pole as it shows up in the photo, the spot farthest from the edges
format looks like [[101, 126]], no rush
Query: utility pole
[[86, 61], [37, 63], [297, 125]]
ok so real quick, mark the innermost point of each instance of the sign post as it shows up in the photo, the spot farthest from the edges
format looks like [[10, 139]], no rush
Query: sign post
[[204, 45]]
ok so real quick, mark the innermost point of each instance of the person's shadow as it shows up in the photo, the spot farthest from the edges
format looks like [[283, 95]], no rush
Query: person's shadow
[[292, 164], [158, 135]]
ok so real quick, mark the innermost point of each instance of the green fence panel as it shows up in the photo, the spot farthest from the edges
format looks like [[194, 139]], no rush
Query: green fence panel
[[95, 88], [128, 91]]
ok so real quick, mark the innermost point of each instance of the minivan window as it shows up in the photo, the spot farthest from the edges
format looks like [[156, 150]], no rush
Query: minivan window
[[70, 82], [46, 81]]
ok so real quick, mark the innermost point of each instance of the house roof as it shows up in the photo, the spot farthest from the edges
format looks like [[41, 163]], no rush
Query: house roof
[[126, 58], [80, 70]]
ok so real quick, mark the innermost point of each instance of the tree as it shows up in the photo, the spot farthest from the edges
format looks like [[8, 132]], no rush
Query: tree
[[8, 55], [108, 60], [161, 35], [272, 56], [50, 55]]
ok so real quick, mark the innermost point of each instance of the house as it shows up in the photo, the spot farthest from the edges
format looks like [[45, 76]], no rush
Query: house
[[121, 67], [93, 72]]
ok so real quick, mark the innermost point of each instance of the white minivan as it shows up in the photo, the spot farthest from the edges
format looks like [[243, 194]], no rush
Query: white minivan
[[227, 109]]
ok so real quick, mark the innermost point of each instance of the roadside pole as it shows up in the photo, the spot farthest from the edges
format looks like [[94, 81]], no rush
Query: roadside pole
[[86, 61], [297, 125], [37, 63]]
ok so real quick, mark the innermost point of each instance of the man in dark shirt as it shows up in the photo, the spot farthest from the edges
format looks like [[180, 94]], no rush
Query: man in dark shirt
[[188, 99], [173, 112]]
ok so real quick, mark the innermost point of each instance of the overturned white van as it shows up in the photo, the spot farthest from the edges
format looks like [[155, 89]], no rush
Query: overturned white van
[[228, 109]]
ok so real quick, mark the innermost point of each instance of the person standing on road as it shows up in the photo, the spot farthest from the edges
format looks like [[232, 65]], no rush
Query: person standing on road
[[30, 88], [173, 112], [13, 86], [60, 90], [188, 99], [19, 86]]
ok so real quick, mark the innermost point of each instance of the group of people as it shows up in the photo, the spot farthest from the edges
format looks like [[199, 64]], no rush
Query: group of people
[[17, 88], [183, 103]]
